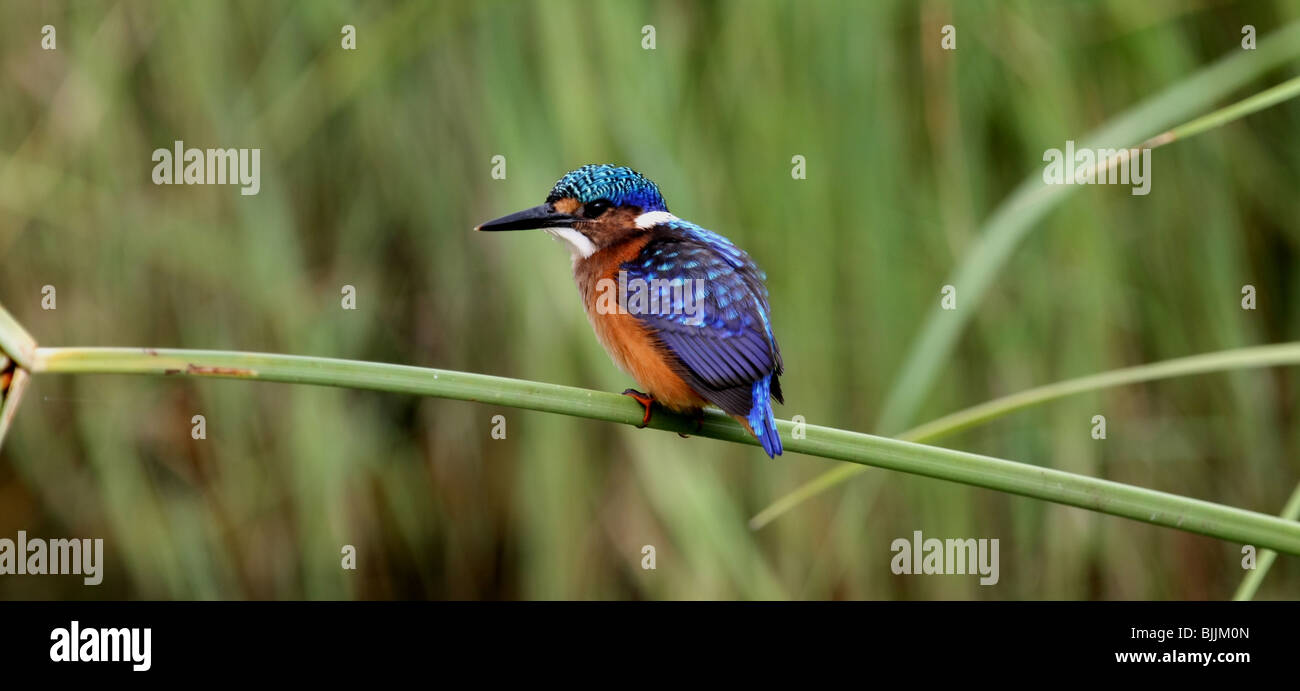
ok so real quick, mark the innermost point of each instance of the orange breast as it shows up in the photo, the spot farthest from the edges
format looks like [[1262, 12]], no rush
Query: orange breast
[[632, 346]]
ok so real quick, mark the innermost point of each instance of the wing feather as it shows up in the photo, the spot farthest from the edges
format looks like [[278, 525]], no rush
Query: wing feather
[[722, 338]]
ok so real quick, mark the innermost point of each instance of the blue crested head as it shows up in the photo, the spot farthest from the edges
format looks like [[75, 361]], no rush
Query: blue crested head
[[618, 185]]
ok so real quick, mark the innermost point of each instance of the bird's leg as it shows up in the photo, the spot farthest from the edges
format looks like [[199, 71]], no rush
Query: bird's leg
[[645, 400], [699, 424]]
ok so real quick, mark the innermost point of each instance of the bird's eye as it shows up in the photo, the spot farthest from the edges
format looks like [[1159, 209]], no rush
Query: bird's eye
[[595, 208]]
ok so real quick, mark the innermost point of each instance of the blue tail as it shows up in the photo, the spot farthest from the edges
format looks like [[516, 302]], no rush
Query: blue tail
[[761, 418]]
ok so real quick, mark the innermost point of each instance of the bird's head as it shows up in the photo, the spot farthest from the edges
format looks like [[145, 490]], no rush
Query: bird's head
[[591, 208]]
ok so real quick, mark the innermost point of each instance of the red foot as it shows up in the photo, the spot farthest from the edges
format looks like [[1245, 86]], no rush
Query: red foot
[[645, 400]]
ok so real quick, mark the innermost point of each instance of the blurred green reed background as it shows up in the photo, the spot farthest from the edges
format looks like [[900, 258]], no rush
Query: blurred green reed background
[[376, 165]]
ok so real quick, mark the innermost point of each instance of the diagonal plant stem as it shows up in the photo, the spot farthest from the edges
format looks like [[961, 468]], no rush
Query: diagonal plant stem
[[1012, 220], [1264, 99], [17, 350], [1032, 200], [11, 393], [1224, 360], [1104, 496], [1250, 584], [15, 342], [1268, 97]]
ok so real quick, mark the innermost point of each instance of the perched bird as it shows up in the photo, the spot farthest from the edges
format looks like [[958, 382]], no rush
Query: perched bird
[[701, 332]]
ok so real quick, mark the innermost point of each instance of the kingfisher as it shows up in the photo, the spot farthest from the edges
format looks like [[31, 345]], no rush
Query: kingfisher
[[691, 321]]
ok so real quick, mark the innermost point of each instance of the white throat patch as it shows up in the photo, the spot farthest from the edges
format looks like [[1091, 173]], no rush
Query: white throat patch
[[579, 246], [651, 219]]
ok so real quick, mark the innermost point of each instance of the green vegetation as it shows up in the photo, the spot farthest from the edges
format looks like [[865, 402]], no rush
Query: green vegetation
[[375, 165]]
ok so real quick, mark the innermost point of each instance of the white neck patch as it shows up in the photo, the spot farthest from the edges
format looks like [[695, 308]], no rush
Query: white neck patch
[[651, 219], [579, 245]]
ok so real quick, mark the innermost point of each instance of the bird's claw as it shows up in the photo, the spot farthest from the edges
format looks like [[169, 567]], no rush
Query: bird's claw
[[646, 400], [699, 424]]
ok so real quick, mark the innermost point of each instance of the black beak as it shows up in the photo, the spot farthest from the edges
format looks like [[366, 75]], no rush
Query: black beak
[[544, 216]]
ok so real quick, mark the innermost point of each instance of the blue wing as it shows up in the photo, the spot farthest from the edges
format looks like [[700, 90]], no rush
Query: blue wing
[[711, 312]]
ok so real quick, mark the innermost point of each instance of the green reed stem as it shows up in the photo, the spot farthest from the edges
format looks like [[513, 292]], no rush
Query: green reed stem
[[1238, 358], [10, 396], [15, 343], [1250, 584], [1012, 220], [1269, 97], [1148, 506]]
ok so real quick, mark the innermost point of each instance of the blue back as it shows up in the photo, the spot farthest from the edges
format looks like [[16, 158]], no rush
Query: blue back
[[730, 356]]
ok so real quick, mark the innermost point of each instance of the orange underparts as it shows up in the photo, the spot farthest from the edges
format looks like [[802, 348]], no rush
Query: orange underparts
[[632, 346]]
